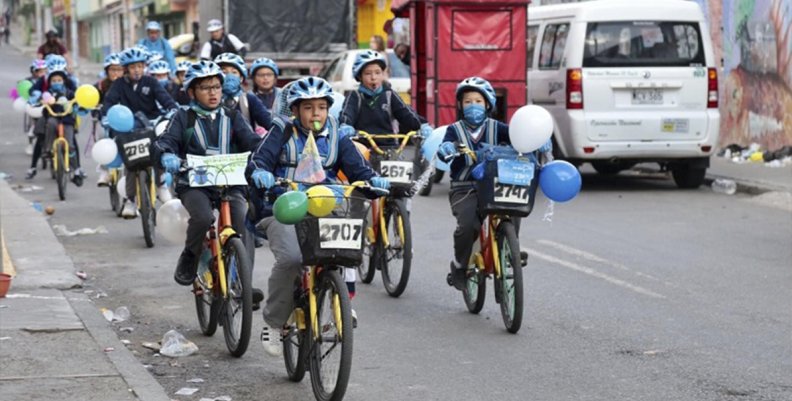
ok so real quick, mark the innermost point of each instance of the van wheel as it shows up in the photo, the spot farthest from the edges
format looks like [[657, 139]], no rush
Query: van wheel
[[607, 168], [687, 177]]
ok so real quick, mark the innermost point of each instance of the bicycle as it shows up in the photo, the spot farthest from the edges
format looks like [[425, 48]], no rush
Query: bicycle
[[318, 337], [390, 234], [135, 150], [60, 148], [223, 286], [505, 193]]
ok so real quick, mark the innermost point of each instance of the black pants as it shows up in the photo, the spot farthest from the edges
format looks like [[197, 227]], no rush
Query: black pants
[[199, 203], [464, 206]]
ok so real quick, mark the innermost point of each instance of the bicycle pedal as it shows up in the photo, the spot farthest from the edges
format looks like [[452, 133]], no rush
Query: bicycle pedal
[[450, 279]]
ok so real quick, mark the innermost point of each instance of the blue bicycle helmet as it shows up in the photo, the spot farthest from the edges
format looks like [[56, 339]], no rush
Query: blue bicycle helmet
[[112, 59], [55, 61], [153, 26], [479, 85], [365, 58], [183, 66], [309, 88], [263, 62], [37, 64], [202, 69], [57, 67], [159, 67], [232, 60], [133, 55]]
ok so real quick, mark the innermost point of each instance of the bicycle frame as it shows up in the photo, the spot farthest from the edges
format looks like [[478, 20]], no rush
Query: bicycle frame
[[216, 244], [152, 187], [487, 259]]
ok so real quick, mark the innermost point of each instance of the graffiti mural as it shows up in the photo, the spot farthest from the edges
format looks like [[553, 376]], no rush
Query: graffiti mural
[[757, 92]]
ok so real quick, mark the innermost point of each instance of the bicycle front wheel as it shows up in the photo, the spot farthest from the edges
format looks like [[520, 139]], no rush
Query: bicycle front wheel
[[331, 350], [475, 290], [147, 214], [238, 305], [397, 260], [115, 201], [509, 285], [61, 175]]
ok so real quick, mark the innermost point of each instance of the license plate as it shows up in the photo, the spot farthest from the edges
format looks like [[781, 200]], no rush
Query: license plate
[[507, 193], [396, 171], [338, 233], [137, 149], [647, 96]]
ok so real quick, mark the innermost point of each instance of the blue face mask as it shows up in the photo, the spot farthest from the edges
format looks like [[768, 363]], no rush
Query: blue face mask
[[370, 92], [58, 87], [232, 85], [475, 114], [164, 82]]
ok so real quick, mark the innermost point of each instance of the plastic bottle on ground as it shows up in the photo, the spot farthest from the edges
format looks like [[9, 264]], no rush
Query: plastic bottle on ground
[[724, 186]]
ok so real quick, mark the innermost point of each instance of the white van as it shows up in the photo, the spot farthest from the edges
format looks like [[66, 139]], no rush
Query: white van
[[627, 82]]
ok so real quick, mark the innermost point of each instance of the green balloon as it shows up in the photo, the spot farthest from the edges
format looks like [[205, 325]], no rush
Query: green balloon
[[291, 207], [23, 88]]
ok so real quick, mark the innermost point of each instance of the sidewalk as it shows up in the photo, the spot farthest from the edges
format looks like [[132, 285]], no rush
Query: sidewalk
[[751, 178], [54, 342]]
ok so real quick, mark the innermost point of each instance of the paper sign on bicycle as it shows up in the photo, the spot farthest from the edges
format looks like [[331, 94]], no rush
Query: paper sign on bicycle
[[218, 170], [396, 171], [515, 172], [339, 233]]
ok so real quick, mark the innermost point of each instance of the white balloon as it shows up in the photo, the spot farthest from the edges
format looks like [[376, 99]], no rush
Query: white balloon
[[35, 112], [121, 187], [530, 127], [172, 220], [20, 105], [104, 151]]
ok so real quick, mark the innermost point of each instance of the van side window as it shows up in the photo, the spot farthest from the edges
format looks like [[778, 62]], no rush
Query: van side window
[[553, 45], [532, 35]]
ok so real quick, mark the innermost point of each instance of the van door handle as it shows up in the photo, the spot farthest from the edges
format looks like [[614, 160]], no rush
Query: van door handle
[[549, 102]]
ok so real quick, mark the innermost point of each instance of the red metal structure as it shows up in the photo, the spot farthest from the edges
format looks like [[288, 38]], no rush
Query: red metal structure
[[455, 39]]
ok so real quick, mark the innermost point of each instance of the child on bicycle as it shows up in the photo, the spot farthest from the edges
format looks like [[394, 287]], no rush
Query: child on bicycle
[[160, 70], [474, 130], [112, 71], [205, 128], [56, 84], [265, 73], [234, 97], [179, 94], [309, 100], [38, 69]]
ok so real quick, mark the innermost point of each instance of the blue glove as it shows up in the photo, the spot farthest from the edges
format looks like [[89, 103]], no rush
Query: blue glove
[[166, 179], [346, 130], [547, 147], [380, 182], [171, 162], [446, 151], [426, 130], [35, 96], [262, 178]]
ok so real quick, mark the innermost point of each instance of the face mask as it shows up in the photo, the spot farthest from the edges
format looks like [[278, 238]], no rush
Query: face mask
[[232, 85], [164, 82], [58, 87], [370, 92], [475, 114]]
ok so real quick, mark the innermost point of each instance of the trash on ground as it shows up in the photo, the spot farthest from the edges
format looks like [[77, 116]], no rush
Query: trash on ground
[[152, 346], [49, 210], [148, 366], [62, 231], [29, 188], [5, 176], [37, 206], [107, 313], [127, 329], [781, 157], [4, 338], [121, 313], [109, 349], [81, 274], [724, 186], [126, 342], [175, 345], [196, 380], [221, 398], [187, 391]]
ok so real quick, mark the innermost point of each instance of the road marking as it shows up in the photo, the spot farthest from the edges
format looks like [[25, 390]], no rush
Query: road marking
[[594, 273]]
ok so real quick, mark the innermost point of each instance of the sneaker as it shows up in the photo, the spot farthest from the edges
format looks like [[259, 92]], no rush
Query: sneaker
[[130, 210], [272, 340], [164, 194], [30, 173], [104, 178], [258, 296], [80, 173], [457, 277], [354, 319], [186, 268], [77, 178]]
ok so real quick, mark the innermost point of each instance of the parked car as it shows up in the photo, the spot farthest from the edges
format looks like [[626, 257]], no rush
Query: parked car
[[633, 86], [339, 74]]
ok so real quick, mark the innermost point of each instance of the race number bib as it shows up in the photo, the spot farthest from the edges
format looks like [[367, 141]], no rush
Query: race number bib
[[396, 171], [507, 193], [217, 170], [338, 233], [137, 149]]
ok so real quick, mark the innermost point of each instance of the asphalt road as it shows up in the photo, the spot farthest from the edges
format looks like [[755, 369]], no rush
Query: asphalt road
[[634, 291]]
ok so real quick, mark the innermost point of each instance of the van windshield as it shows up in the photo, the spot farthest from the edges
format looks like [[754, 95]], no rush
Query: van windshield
[[643, 44]]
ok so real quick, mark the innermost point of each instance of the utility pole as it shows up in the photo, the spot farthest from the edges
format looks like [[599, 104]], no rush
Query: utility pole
[[39, 28], [74, 36]]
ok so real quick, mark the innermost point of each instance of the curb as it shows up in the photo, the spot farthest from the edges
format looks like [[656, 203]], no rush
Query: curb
[[748, 187]]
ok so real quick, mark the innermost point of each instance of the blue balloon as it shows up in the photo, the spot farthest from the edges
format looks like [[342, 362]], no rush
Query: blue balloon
[[120, 118], [430, 146], [338, 105], [117, 163], [560, 181]]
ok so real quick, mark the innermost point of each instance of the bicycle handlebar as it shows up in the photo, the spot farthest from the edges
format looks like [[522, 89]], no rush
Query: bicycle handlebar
[[370, 138], [348, 188]]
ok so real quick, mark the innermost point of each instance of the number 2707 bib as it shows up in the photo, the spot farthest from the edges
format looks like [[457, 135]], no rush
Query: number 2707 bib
[[338, 233]]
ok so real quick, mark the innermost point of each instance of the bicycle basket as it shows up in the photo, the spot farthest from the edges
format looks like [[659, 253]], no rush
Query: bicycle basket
[[336, 239], [135, 148], [399, 171], [508, 187]]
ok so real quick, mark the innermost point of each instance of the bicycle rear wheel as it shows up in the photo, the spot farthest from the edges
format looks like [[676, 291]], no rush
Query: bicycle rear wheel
[[115, 201], [238, 305], [331, 350], [207, 306], [475, 290], [296, 344], [509, 285], [61, 175], [147, 214], [397, 258]]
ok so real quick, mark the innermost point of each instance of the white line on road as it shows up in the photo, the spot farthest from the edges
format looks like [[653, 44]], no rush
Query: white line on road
[[594, 273]]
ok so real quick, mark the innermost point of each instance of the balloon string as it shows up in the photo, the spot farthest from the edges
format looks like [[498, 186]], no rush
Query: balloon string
[[549, 210]]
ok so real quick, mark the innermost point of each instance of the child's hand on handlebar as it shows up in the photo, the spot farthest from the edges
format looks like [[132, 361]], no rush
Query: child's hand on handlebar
[[262, 178], [380, 182]]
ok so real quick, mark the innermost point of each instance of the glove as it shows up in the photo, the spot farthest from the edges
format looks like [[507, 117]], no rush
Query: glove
[[34, 97], [426, 130], [346, 130], [380, 182], [171, 162], [262, 178], [447, 151], [166, 179]]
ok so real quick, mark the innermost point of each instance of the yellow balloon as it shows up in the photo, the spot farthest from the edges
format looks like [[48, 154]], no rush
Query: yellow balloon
[[321, 200], [87, 96]]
